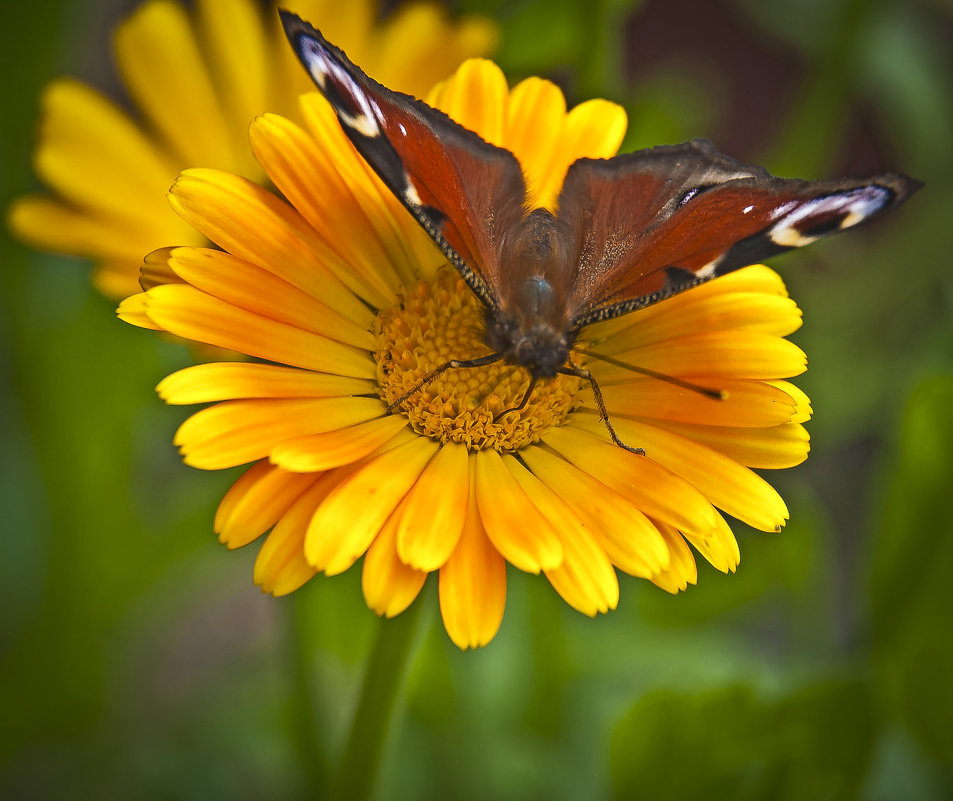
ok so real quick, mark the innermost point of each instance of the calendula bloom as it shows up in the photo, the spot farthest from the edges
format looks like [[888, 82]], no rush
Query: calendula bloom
[[196, 80], [348, 305]]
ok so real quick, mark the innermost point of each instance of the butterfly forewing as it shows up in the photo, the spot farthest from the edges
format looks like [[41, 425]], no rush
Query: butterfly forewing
[[659, 221], [464, 191], [628, 231]]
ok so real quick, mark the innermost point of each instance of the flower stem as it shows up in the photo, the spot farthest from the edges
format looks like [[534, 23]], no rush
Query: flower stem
[[382, 682], [304, 710]]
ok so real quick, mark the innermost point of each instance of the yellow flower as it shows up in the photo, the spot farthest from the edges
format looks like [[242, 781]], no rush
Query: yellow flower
[[348, 302], [197, 79]]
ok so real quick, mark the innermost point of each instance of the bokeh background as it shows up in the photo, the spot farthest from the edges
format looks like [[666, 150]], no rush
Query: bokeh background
[[137, 660]]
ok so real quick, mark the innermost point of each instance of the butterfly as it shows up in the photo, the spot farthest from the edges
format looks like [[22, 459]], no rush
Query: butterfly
[[628, 232]]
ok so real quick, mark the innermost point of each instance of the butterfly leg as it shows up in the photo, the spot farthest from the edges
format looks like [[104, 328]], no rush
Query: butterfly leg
[[524, 401], [582, 372], [450, 365]]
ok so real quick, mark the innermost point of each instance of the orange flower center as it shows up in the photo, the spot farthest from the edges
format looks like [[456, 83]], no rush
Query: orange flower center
[[440, 320]]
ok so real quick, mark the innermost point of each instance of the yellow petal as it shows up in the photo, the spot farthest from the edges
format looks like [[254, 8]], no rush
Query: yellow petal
[[655, 490], [774, 448], [472, 36], [240, 431], [755, 278], [92, 154], [133, 311], [473, 582], [216, 381], [593, 129], [745, 403], [536, 105], [475, 97], [238, 57], [249, 222], [409, 248], [725, 354], [802, 402], [256, 502], [682, 570], [431, 519], [585, 579], [439, 45], [307, 174], [720, 547], [48, 224], [281, 566], [259, 291], [725, 483], [337, 448], [686, 314], [354, 512], [162, 66], [628, 537], [512, 522], [348, 26], [186, 312], [389, 585], [156, 271]]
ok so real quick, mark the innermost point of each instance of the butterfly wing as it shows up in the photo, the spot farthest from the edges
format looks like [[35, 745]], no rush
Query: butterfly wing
[[465, 192], [656, 222]]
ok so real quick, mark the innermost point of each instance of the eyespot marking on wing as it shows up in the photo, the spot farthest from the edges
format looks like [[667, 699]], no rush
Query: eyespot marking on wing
[[789, 237], [354, 107], [315, 59], [800, 224]]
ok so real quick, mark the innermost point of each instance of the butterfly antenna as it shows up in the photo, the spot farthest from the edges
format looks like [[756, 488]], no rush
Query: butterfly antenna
[[714, 394], [450, 365], [524, 401], [582, 372]]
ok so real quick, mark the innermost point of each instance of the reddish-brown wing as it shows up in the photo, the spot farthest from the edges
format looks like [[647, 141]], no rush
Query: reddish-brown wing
[[656, 222], [465, 192]]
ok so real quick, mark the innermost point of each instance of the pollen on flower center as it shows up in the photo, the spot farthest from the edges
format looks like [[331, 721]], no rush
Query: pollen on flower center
[[440, 320]]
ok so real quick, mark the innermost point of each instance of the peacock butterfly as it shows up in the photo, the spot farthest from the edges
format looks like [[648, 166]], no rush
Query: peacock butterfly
[[629, 231]]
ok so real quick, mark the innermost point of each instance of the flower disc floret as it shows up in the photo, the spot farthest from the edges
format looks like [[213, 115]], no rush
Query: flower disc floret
[[440, 320]]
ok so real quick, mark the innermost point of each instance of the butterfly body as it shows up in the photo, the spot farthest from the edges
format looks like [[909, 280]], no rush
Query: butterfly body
[[625, 233], [528, 326]]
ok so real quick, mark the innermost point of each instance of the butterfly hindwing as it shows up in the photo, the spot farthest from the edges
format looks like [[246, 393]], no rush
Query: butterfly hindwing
[[657, 222], [465, 192]]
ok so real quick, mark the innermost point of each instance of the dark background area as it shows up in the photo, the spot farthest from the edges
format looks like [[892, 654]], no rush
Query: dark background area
[[137, 660]]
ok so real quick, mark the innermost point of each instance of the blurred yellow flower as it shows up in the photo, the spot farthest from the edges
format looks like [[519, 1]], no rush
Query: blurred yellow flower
[[349, 303], [197, 79]]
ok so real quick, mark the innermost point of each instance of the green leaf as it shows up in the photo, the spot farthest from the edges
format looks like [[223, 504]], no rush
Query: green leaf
[[913, 650]]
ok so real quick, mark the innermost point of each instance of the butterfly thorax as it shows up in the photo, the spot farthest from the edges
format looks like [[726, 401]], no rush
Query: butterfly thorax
[[530, 328]]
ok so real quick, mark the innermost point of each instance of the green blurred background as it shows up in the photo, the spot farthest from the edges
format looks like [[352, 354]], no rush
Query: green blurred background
[[137, 660]]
